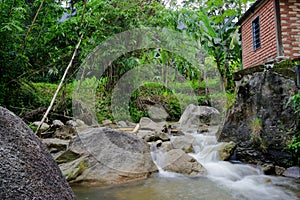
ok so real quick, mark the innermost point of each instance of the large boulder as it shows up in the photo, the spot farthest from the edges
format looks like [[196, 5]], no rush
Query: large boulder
[[105, 156], [184, 143], [178, 161], [195, 116], [27, 170], [260, 122]]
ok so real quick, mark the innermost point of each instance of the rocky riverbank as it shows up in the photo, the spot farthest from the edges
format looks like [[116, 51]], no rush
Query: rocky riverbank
[[117, 153], [261, 122]]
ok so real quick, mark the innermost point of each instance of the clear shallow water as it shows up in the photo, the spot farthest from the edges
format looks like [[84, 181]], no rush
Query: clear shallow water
[[199, 188], [157, 187], [225, 181]]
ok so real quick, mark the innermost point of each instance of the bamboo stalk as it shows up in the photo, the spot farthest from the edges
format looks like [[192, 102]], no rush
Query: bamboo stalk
[[59, 86]]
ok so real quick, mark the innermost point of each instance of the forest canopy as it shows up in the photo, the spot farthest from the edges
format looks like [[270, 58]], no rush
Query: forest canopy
[[38, 38]]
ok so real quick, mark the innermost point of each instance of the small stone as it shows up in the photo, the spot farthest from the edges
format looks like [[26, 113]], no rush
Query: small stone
[[279, 170], [80, 122], [71, 123], [268, 169], [148, 124], [43, 127], [54, 145], [122, 124], [65, 132], [293, 172], [106, 122], [144, 133], [57, 123], [226, 150]]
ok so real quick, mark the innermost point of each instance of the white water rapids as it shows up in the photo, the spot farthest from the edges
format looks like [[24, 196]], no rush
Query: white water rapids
[[225, 181], [241, 181]]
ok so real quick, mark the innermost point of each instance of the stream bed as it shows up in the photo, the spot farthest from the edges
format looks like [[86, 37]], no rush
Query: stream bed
[[224, 180], [180, 187]]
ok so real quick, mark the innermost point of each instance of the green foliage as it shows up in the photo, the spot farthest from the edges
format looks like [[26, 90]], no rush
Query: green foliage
[[256, 127], [294, 101], [32, 65], [33, 128], [230, 99], [40, 95], [255, 136], [154, 94], [294, 148]]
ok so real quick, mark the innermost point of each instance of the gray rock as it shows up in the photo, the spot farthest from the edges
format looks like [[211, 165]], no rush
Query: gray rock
[[157, 112], [165, 146], [106, 122], [57, 123], [148, 124], [79, 122], [263, 95], [156, 136], [142, 134], [108, 157], [279, 170], [195, 116], [178, 161], [27, 170], [122, 124], [66, 156], [65, 132], [293, 172], [55, 145], [44, 126], [71, 123], [131, 124], [226, 150], [184, 143], [72, 170]]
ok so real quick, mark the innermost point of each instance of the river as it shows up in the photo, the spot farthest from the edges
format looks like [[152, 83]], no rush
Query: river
[[224, 181]]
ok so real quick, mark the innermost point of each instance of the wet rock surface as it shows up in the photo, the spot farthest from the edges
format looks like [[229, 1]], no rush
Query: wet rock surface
[[178, 161]]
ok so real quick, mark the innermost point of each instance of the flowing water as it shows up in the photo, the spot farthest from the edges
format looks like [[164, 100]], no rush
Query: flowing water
[[225, 181]]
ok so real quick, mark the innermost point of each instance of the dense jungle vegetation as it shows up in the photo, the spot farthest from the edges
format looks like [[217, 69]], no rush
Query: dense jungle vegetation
[[38, 38]]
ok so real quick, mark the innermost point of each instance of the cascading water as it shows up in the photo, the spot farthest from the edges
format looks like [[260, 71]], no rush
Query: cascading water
[[241, 181]]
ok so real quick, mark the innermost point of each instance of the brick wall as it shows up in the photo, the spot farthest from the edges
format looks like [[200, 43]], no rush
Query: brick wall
[[290, 26], [268, 48]]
